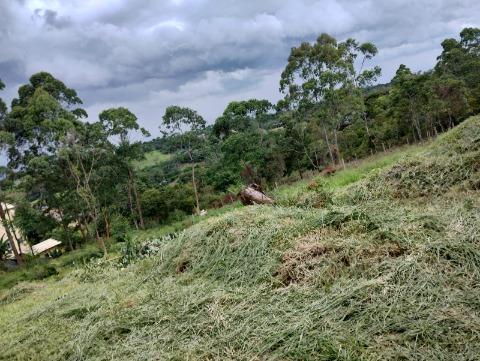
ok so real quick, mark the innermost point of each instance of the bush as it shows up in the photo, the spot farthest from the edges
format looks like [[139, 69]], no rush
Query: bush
[[120, 228], [44, 271], [68, 236]]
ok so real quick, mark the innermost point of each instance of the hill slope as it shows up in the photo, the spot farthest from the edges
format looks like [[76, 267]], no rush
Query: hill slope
[[384, 268]]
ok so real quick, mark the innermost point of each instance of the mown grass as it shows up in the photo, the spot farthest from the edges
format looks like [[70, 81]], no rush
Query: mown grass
[[371, 274], [40, 268]]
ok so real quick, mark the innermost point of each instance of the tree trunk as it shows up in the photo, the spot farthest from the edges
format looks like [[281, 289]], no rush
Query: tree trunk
[[194, 183], [4, 220], [139, 206], [101, 242], [130, 204], [419, 131], [69, 239], [251, 195], [450, 121], [337, 147], [65, 229], [82, 175], [328, 145], [83, 230], [107, 224], [10, 222]]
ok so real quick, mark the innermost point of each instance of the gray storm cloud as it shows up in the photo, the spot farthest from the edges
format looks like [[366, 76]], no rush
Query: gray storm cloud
[[202, 53]]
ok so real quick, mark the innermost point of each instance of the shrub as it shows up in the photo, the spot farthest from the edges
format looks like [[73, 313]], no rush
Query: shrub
[[120, 228], [41, 272]]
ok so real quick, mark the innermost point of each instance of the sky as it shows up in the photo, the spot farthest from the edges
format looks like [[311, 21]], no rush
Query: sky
[[147, 54]]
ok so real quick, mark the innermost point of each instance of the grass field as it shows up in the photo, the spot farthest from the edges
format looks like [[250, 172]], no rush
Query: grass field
[[151, 159], [378, 262]]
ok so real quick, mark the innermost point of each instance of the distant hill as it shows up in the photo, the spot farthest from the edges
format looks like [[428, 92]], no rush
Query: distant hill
[[377, 89]]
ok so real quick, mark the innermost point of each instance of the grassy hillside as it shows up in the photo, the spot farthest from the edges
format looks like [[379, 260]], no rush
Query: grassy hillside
[[151, 159], [381, 262]]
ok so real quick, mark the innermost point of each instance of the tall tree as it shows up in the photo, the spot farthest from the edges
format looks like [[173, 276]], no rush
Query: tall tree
[[119, 122], [41, 116], [239, 116], [322, 77], [6, 139], [84, 151], [43, 110], [187, 124], [461, 58]]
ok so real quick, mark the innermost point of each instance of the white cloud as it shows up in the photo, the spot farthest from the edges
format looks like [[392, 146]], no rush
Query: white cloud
[[204, 53]]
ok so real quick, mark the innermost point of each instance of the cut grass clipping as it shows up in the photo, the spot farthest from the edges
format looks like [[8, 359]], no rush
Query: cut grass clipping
[[377, 272]]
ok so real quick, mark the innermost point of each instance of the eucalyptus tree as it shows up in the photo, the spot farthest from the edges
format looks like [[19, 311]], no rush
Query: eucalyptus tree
[[43, 110], [83, 152], [120, 122], [449, 102], [187, 125], [408, 98], [325, 79], [6, 139], [3, 106], [240, 116], [461, 59]]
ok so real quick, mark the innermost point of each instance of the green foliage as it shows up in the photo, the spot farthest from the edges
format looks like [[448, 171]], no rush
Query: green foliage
[[120, 229], [161, 203], [461, 59], [331, 113], [69, 236], [40, 117], [242, 116], [129, 252], [34, 225], [118, 122], [324, 72], [38, 268]]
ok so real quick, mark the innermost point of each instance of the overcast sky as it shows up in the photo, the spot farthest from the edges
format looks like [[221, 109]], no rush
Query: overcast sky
[[147, 54]]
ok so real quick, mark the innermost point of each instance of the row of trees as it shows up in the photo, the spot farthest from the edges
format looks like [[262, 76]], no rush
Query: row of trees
[[76, 179], [331, 112]]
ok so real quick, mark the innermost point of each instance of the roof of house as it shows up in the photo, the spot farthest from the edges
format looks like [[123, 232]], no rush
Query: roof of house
[[46, 245]]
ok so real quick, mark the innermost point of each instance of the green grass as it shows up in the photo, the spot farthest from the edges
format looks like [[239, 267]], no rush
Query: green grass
[[151, 159], [170, 228], [372, 273], [295, 194], [39, 268]]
